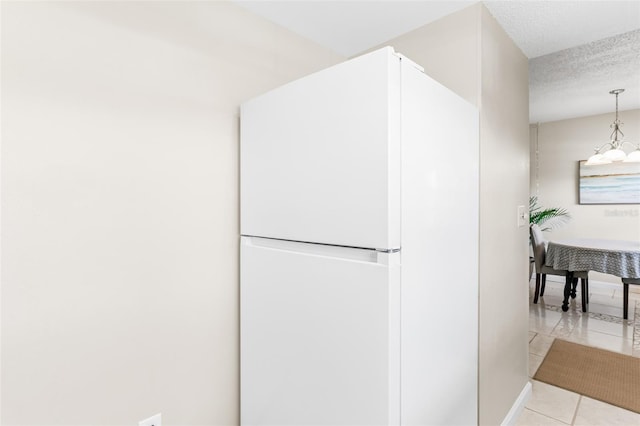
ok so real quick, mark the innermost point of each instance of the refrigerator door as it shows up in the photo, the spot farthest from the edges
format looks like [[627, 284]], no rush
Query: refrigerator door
[[320, 157], [320, 335], [440, 233]]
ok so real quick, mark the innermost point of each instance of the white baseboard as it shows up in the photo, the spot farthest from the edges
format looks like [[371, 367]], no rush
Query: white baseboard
[[517, 407]]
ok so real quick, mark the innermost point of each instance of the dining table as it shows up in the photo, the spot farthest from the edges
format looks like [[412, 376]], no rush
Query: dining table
[[615, 257]]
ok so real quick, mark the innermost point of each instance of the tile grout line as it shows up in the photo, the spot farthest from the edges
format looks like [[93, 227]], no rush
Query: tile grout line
[[575, 413], [535, 333], [547, 416]]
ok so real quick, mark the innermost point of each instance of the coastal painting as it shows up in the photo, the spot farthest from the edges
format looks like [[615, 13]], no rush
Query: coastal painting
[[615, 183]]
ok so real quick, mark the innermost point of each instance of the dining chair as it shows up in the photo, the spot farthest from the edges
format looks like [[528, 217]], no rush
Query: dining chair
[[625, 303], [539, 254]]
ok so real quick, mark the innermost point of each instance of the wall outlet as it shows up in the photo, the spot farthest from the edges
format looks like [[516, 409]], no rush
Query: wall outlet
[[152, 421]]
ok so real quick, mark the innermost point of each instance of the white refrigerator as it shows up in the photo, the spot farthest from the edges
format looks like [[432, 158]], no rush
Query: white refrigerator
[[359, 249]]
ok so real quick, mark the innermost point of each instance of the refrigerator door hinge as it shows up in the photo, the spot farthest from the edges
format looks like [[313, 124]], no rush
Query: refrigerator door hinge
[[409, 61]]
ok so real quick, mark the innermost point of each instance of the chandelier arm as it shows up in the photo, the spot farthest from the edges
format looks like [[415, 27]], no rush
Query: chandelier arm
[[636, 146], [602, 146]]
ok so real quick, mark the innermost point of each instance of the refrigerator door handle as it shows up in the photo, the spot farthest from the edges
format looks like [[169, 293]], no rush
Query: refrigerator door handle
[[392, 250], [381, 256]]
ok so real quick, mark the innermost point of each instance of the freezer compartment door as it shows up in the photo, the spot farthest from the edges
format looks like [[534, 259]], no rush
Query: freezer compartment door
[[320, 335], [320, 156]]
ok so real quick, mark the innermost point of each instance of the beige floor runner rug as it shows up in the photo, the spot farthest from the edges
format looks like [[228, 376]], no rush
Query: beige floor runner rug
[[599, 374]]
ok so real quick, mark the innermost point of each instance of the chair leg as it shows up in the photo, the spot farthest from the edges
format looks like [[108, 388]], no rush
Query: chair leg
[[544, 283], [586, 286], [574, 286], [625, 301], [537, 291], [585, 295]]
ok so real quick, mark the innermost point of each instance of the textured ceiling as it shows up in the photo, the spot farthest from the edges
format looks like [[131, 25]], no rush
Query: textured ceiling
[[576, 82], [543, 27], [578, 50]]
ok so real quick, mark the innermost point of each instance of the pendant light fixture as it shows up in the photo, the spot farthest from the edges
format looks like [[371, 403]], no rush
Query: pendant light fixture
[[614, 151]]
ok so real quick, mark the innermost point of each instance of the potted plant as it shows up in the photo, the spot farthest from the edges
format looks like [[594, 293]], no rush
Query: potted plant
[[546, 219]]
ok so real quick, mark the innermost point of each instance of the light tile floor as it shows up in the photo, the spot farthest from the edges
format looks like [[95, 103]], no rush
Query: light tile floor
[[601, 327]]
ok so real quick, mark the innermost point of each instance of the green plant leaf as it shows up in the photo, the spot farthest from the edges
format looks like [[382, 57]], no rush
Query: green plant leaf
[[546, 218]]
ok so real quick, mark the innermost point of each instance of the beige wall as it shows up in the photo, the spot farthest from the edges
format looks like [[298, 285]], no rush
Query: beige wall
[[471, 54], [120, 205], [557, 147], [119, 201], [448, 49], [504, 173]]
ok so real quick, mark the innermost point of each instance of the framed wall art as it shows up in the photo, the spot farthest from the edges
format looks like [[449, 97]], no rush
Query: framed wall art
[[614, 183]]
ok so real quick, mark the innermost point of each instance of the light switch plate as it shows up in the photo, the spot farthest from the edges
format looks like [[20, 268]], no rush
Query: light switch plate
[[523, 217]]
